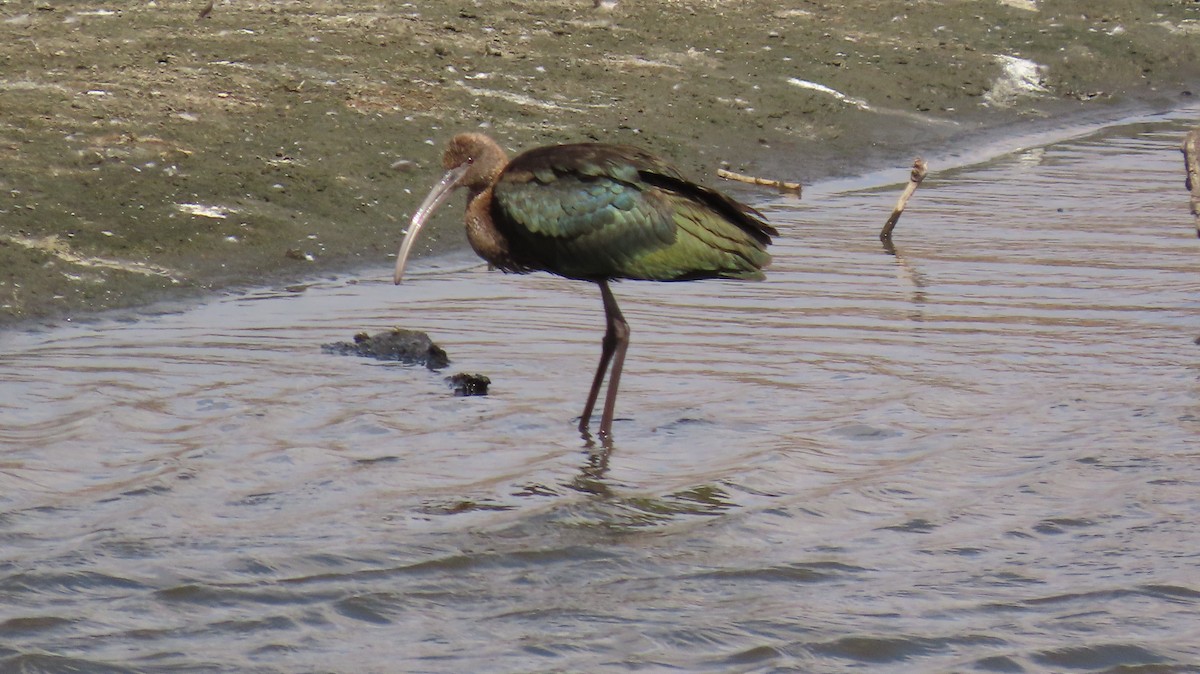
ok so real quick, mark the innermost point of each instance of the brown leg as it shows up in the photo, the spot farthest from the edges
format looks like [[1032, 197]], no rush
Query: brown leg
[[616, 341], [618, 333]]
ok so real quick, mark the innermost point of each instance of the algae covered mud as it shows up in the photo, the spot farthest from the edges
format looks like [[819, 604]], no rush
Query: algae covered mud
[[145, 150]]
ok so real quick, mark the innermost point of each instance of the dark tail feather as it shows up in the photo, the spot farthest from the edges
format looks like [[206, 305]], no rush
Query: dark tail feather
[[748, 219]]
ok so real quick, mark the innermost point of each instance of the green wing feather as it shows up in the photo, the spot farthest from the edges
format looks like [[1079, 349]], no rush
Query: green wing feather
[[601, 211]]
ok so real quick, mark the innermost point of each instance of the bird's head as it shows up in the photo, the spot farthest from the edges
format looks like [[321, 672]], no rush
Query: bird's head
[[482, 157], [471, 160]]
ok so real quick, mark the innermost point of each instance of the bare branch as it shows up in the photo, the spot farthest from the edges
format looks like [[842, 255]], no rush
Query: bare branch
[[779, 184], [914, 179]]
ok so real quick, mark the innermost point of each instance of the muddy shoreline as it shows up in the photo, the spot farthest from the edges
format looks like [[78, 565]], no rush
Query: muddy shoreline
[[147, 153]]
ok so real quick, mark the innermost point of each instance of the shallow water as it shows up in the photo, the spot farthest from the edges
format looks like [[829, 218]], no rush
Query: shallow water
[[978, 454]]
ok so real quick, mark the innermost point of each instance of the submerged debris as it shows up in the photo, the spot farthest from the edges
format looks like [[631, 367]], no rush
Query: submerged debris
[[407, 346], [413, 347], [469, 384]]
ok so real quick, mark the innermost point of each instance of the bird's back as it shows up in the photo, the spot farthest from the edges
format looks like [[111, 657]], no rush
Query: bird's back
[[593, 211]]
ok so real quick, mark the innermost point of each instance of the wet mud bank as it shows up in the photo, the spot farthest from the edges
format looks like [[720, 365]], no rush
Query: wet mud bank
[[148, 153]]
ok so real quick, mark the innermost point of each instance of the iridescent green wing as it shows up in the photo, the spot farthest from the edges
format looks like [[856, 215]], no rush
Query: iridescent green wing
[[604, 211]]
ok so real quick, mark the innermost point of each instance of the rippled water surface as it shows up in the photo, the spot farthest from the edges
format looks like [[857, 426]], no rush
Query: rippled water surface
[[978, 454]]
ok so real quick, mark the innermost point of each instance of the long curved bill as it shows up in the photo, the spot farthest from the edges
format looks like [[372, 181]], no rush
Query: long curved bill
[[437, 196]]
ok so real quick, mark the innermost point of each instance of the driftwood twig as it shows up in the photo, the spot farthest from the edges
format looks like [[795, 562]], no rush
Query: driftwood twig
[[1191, 163], [780, 184], [914, 179]]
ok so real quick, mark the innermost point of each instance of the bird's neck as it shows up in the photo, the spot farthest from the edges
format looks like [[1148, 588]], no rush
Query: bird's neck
[[487, 242]]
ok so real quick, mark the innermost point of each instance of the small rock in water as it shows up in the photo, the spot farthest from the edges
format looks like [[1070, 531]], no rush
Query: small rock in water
[[407, 346], [469, 384]]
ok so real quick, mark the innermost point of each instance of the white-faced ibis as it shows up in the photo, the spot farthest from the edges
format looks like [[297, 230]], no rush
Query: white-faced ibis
[[595, 212]]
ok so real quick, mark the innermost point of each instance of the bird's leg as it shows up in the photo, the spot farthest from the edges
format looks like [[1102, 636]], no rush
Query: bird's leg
[[607, 346], [616, 339]]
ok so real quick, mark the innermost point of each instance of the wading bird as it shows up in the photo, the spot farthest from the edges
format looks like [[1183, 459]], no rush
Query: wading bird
[[595, 212]]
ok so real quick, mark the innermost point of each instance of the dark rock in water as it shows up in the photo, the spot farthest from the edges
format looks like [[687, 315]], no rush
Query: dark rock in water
[[413, 347], [407, 346], [469, 384]]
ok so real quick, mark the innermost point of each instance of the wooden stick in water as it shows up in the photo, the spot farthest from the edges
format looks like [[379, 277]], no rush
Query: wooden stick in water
[[1191, 164], [914, 179], [780, 184]]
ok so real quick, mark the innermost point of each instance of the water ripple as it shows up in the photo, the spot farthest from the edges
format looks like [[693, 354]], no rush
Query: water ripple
[[974, 452]]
